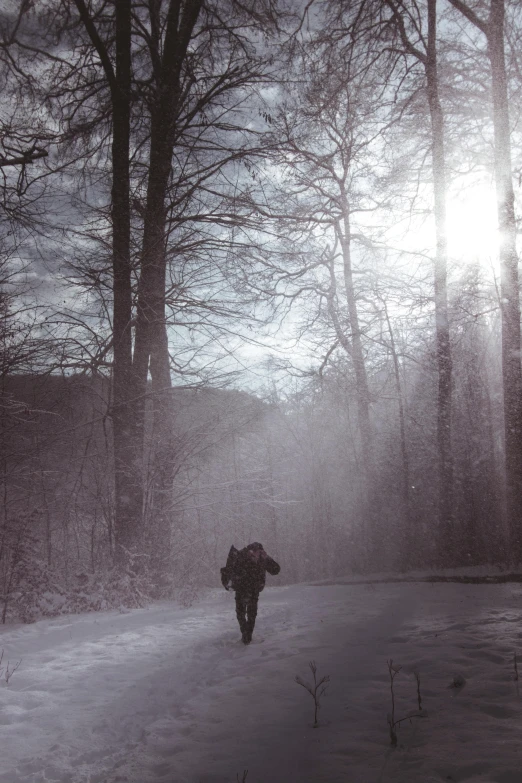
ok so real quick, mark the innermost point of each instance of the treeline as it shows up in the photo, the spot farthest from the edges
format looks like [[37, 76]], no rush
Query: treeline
[[189, 187], [284, 471], [58, 541]]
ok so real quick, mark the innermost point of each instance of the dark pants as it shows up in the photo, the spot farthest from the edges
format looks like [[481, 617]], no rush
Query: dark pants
[[246, 610]]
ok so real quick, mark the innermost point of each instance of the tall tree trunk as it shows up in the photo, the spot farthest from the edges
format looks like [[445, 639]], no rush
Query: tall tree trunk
[[410, 538], [446, 549], [127, 445], [509, 284], [493, 29], [164, 458], [355, 350], [151, 342], [127, 454], [357, 354], [126, 430], [150, 319], [446, 528]]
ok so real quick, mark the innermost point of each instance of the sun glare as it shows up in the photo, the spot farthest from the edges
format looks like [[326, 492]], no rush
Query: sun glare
[[472, 225]]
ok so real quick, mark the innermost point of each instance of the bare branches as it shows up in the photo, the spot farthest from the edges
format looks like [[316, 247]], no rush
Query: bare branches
[[9, 671], [397, 11], [98, 44], [393, 722], [317, 690]]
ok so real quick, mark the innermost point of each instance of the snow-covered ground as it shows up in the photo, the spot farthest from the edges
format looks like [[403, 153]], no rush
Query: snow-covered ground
[[170, 695]]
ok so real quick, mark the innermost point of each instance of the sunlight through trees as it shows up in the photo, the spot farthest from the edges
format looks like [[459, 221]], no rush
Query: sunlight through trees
[[258, 280]]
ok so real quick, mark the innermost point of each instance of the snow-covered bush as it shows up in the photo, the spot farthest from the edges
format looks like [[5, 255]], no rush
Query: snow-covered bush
[[36, 593], [110, 589], [28, 587]]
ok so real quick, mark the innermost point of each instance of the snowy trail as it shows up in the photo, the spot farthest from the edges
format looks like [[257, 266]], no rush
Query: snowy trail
[[243, 711], [168, 695], [111, 676]]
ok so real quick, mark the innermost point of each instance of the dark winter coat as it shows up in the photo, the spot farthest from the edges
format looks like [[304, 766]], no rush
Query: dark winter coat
[[244, 574]]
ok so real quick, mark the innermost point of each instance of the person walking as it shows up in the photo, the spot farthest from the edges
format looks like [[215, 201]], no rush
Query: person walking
[[245, 572]]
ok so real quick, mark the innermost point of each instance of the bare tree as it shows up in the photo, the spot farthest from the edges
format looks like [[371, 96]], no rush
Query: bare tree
[[162, 68], [407, 18], [493, 29]]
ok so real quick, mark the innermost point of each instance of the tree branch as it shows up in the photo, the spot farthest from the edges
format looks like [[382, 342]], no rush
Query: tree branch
[[471, 16], [29, 156], [97, 43]]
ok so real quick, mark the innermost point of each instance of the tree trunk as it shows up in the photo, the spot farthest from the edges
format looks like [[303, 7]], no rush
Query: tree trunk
[[163, 461], [128, 488], [446, 528], [493, 29], [362, 390], [509, 285], [359, 366], [150, 320], [410, 538], [151, 342], [127, 447]]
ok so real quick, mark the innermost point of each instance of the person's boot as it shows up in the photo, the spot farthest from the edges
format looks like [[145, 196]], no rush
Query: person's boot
[[246, 637]]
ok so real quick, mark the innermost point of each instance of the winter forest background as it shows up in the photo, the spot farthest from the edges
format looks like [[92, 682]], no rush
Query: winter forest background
[[258, 281]]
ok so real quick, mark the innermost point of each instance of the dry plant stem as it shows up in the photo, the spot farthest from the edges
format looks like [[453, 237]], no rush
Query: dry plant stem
[[391, 717], [316, 691], [243, 779], [392, 723], [9, 672], [419, 698]]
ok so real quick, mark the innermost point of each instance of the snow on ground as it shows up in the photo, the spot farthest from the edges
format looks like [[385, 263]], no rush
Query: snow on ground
[[170, 695]]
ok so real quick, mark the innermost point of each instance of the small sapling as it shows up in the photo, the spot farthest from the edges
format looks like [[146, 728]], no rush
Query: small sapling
[[317, 690], [419, 697], [393, 722], [8, 672]]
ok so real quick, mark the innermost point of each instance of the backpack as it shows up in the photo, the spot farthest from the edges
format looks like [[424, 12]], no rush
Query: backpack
[[228, 571]]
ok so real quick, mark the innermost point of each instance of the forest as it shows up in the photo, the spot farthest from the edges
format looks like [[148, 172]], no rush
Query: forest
[[258, 281]]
